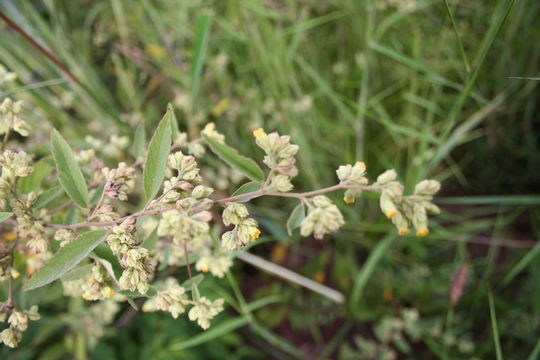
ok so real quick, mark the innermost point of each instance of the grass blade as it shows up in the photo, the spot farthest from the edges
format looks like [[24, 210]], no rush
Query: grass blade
[[211, 334], [458, 38], [369, 267], [494, 327], [204, 24]]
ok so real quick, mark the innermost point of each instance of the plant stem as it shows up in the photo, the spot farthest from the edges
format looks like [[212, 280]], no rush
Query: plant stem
[[252, 194], [187, 262], [40, 48]]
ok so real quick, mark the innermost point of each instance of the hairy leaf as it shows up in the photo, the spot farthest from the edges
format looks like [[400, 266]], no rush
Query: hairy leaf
[[296, 218], [156, 159], [69, 174], [231, 156], [247, 188], [65, 259]]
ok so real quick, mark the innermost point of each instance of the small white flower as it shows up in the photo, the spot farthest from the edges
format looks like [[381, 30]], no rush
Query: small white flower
[[204, 311]]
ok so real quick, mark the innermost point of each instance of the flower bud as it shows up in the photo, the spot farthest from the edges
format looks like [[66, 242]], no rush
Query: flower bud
[[18, 320], [351, 195], [321, 201], [387, 204], [10, 337], [280, 183], [204, 311], [234, 213], [201, 191], [210, 131], [419, 221], [427, 187], [386, 177], [401, 223]]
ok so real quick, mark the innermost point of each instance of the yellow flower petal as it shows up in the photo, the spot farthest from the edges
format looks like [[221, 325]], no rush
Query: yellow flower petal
[[10, 236], [349, 200], [361, 164], [258, 132], [404, 231]]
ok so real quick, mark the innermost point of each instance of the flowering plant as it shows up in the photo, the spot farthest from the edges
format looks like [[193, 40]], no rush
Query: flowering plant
[[106, 250]]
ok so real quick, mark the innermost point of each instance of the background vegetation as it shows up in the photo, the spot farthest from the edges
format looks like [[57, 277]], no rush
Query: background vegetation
[[426, 87]]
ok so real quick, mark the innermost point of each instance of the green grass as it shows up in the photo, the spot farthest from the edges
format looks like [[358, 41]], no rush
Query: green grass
[[433, 91]]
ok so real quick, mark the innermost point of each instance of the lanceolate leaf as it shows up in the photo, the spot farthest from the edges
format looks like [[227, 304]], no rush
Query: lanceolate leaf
[[139, 141], [48, 196], [296, 218], [65, 259], [156, 159], [174, 122], [247, 188], [228, 154], [69, 174], [4, 216]]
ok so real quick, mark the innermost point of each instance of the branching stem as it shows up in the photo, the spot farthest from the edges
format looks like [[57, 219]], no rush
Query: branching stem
[[252, 194]]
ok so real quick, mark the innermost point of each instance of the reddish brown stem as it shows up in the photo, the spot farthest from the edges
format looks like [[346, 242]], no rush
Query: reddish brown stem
[[40, 48]]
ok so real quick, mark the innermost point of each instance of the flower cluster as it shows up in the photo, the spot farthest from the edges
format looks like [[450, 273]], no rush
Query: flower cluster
[[186, 178], [204, 310], [119, 181], [245, 228], [10, 118], [13, 164], [96, 285], [323, 218], [29, 227], [170, 297], [218, 265], [136, 261], [352, 175], [279, 158], [18, 322], [65, 236], [407, 210], [182, 235]]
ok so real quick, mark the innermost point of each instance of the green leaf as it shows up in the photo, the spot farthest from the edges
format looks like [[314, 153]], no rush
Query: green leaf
[[34, 180], [174, 122], [104, 252], [96, 195], [214, 332], [4, 216], [196, 280], [78, 272], [48, 196], [204, 23], [228, 154], [69, 174], [151, 240], [247, 188], [296, 218], [65, 259], [156, 159], [139, 141]]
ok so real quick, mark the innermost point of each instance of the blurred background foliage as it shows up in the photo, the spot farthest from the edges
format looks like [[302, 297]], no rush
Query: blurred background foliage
[[425, 87]]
